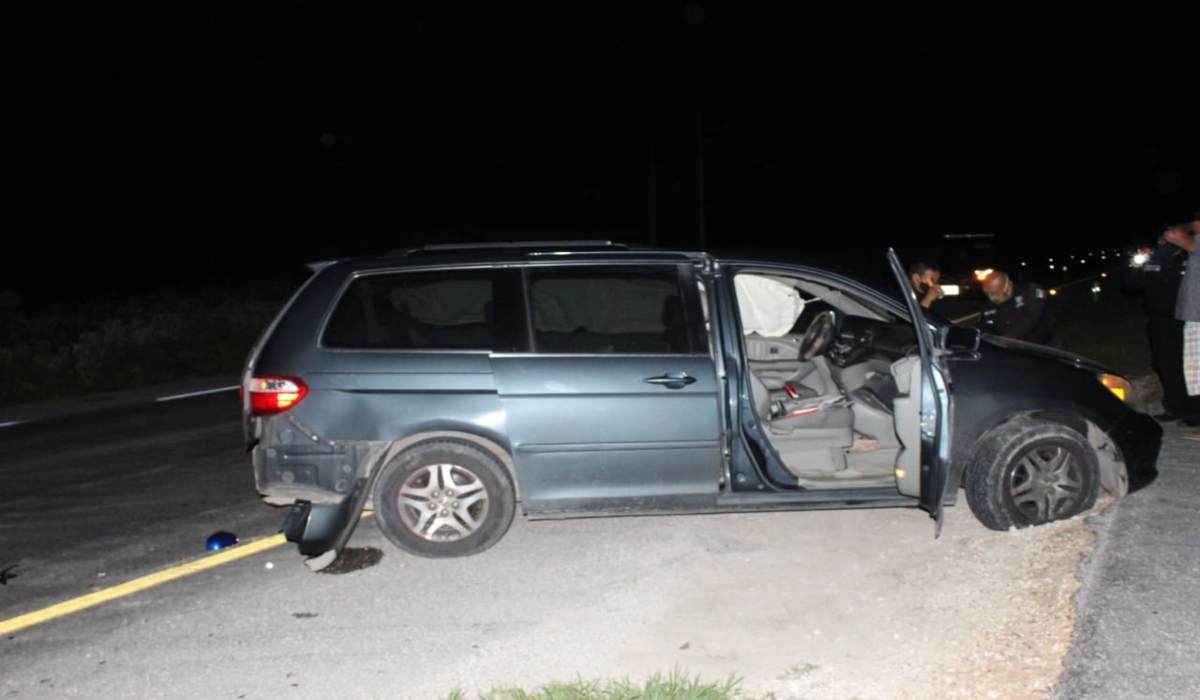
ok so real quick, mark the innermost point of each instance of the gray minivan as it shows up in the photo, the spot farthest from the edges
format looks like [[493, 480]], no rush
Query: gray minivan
[[446, 387]]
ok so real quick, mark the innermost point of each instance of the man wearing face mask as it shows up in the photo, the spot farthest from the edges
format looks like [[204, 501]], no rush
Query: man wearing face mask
[[1020, 311], [925, 277]]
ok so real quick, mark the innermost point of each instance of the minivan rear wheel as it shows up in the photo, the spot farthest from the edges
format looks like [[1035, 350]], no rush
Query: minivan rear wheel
[[444, 498], [1031, 472]]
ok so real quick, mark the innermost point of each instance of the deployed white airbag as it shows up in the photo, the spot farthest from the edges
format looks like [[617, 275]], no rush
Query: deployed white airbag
[[768, 308]]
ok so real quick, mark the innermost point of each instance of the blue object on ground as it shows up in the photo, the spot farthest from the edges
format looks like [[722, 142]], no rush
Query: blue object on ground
[[220, 540]]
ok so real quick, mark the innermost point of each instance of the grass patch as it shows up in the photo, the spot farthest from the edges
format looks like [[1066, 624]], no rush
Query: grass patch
[[1110, 329], [97, 347], [675, 686]]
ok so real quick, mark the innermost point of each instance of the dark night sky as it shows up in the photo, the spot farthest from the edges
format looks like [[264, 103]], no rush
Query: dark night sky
[[170, 145]]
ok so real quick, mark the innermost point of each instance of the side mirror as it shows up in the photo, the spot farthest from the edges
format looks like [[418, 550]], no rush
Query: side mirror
[[959, 338]]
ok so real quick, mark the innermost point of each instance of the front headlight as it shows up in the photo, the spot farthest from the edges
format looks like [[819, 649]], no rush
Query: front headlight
[[1119, 386]]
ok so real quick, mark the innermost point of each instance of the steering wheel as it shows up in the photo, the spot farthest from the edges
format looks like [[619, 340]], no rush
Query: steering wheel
[[818, 336]]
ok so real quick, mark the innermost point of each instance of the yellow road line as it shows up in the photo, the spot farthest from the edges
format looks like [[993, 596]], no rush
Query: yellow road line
[[92, 599]]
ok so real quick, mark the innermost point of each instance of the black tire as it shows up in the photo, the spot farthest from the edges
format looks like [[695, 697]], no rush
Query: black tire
[[1031, 472], [444, 498]]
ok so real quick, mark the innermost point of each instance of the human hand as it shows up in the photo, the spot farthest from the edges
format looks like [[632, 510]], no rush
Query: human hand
[[1181, 236], [933, 292]]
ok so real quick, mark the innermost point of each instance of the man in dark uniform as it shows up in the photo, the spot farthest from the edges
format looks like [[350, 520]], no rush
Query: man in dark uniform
[[1158, 278], [1020, 311]]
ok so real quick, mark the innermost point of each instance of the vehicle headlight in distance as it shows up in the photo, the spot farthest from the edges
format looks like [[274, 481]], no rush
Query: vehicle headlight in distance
[[1118, 385]]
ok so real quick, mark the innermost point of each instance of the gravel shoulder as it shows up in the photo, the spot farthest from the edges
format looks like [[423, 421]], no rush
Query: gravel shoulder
[[824, 604], [896, 614]]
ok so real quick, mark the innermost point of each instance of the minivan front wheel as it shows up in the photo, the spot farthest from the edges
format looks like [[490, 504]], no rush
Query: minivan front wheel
[[1031, 472], [444, 498]]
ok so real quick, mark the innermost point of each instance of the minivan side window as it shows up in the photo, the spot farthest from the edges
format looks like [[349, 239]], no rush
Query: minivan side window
[[443, 310], [607, 310]]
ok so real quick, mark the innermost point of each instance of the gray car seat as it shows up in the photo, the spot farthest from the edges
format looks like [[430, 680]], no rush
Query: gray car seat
[[809, 434]]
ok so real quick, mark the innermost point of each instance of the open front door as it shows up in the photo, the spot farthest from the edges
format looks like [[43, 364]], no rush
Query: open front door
[[935, 404]]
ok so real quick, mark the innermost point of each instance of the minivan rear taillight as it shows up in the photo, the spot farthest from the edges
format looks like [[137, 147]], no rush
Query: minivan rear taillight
[[271, 395]]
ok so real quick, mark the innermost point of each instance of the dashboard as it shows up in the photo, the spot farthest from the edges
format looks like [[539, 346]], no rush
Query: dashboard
[[859, 339]]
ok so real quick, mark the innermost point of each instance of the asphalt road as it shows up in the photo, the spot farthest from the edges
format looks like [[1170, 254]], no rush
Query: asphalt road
[[98, 494], [105, 492], [1138, 630]]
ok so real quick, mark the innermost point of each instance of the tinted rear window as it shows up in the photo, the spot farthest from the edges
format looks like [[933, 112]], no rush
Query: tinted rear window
[[603, 310], [419, 311]]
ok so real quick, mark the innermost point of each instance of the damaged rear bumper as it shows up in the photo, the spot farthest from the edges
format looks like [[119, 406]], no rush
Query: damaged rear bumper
[[316, 529], [323, 484]]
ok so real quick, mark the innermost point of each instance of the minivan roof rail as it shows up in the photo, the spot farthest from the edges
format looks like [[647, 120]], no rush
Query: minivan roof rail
[[565, 245], [525, 244]]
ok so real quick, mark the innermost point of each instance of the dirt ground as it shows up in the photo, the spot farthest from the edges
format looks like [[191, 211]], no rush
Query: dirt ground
[[837, 605], [981, 614]]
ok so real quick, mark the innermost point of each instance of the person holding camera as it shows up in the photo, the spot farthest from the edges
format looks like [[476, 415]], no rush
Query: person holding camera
[[1187, 310], [1157, 274]]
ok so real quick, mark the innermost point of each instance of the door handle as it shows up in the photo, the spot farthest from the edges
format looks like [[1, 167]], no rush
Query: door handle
[[672, 380]]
